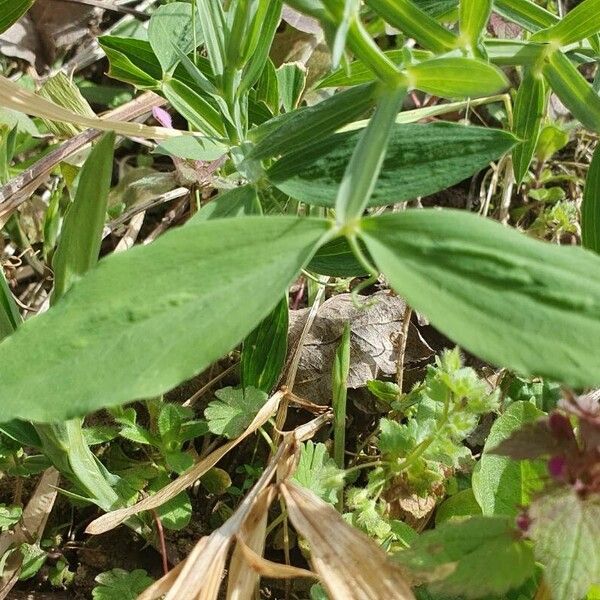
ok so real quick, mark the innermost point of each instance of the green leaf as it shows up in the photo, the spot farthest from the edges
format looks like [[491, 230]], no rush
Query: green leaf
[[119, 584], [193, 107], [81, 236], [291, 80], [552, 139], [473, 18], [487, 555], [530, 110], [340, 371], [420, 160], [234, 410], [212, 20], [336, 259], [176, 513], [193, 148], [457, 77], [516, 302], [362, 172], [312, 124], [580, 23], [33, 560], [11, 11], [503, 485], [132, 61], [463, 504], [590, 209], [265, 349], [172, 27], [318, 472], [161, 304], [409, 18], [566, 533], [9, 313], [233, 203], [9, 516], [574, 91], [526, 13]]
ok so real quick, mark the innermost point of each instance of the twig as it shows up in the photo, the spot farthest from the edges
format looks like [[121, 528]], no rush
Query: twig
[[163, 545]]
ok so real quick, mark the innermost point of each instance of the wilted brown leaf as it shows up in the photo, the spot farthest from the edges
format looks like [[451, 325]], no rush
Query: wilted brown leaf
[[374, 337]]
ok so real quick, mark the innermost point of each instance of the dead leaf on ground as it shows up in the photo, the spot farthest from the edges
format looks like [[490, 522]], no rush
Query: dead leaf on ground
[[374, 343]]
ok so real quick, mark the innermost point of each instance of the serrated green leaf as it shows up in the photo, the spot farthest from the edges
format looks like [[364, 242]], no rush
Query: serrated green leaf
[[160, 304], [487, 555], [171, 27], [265, 350], [234, 410], [119, 584], [590, 209], [502, 485], [574, 91], [457, 77], [409, 18], [11, 11], [176, 513], [318, 472], [566, 533], [81, 235], [580, 23], [530, 110], [420, 160], [513, 301]]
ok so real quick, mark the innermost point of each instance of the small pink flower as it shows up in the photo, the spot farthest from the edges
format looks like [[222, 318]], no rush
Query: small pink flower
[[557, 467], [523, 522], [561, 426], [163, 117]]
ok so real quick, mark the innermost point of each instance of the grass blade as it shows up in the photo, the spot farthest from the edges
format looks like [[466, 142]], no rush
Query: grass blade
[[590, 210], [580, 23]]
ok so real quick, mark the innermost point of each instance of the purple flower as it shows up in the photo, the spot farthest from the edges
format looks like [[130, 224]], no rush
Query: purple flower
[[523, 522], [557, 467], [163, 117]]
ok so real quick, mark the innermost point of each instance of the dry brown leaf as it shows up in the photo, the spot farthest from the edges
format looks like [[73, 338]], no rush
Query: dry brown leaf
[[30, 529], [350, 565], [374, 338], [113, 519], [14, 97], [242, 580], [21, 41]]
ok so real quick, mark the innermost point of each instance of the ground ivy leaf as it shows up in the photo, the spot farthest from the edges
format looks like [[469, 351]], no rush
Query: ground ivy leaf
[[9, 516], [318, 472], [566, 532], [483, 555], [145, 320], [119, 584], [503, 485], [234, 410]]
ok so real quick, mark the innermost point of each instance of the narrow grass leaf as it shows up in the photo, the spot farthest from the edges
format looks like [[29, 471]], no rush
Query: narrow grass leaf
[[81, 235], [580, 23], [420, 160], [458, 77], [409, 18], [9, 313], [364, 167], [161, 304], [590, 209], [527, 305], [212, 20], [341, 368], [574, 91], [530, 110]]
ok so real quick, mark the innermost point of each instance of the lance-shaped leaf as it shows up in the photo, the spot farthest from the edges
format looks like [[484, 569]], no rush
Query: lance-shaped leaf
[[530, 109], [581, 22], [473, 17], [516, 302], [590, 209], [11, 11], [574, 91], [457, 77], [147, 319], [81, 235], [420, 160], [9, 313], [526, 13], [362, 172], [409, 18]]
